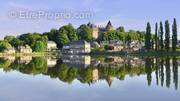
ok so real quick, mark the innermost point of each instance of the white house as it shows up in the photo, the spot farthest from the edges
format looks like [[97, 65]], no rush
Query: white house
[[51, 45], [77, 47]]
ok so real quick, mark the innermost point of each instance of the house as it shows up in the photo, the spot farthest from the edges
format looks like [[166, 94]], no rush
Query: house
[[10, 51], [25, 49], [134, 46], [95, 45], [77, 47], [51, 45], [114, 45]]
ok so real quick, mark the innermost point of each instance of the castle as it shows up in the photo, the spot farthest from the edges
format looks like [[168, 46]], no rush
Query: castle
[[97, 31]]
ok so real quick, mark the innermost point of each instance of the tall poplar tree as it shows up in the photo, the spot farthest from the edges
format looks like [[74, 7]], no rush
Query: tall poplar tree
[[156, 37], [161, 35], [174, 35], [167, 35], [148, 37]]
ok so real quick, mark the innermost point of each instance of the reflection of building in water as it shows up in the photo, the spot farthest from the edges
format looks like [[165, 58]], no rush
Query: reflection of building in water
[[95, 75], [113, 62], [109, 80], [134, 62], [10, 58], [51, 62], [76, 60], [25, 59]]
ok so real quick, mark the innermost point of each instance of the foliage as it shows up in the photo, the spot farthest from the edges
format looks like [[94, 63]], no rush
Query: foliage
[[4, 45], [148, 37], [174, 35], [84, 32], [161, 34], [39, 46], [167, 35]]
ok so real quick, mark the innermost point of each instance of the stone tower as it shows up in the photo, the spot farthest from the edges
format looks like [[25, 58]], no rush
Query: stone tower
[[95, 30]]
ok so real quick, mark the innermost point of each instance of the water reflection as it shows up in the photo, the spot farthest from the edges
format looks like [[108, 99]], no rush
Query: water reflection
[[89, 70]]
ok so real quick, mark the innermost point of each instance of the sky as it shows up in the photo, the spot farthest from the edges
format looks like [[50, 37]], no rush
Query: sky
[[132, 14]]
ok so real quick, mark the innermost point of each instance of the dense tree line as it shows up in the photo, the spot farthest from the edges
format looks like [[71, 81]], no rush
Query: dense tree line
[[162, 41], [65, 34]]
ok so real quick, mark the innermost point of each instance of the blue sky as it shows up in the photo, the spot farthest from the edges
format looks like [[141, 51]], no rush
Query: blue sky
[[132, 14]]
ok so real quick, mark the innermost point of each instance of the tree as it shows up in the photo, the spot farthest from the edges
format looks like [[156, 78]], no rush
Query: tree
[[4, 45], [121, 29], [62, 38], [70, 31], [39, 46], [161, 34], [148, 37], [16, 42], [174, 35], [8, 38], [128, 38], [167, 35], [156, 37], [32, 38], [85, 33]]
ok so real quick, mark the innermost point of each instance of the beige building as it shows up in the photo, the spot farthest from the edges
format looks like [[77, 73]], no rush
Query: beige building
[[51, 45], [97, 31], [25, 49], [10, 51], [95, 75], [77, 47]]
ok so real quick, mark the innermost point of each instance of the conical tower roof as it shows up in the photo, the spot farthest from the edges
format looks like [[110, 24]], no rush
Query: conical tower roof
[[109, 26]]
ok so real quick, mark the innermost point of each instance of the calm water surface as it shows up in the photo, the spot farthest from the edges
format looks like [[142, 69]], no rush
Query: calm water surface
[[85, 78]]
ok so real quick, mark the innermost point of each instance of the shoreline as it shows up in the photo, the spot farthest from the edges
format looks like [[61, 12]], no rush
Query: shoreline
[[30, 54], [101, 53]]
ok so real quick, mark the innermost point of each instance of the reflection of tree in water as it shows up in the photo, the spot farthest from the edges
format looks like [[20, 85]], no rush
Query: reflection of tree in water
[[175, 72], [160, 66]]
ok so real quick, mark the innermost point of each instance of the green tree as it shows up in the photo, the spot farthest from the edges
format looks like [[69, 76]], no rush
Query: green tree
[[148, 37], [8, 38], [70, 31], [174, 35], [16, 42], [167, 35], [156, 37], [121, 29], [62, 38], [161, 35], [32, 38], [4, 45], [84, 32], [39, 46]]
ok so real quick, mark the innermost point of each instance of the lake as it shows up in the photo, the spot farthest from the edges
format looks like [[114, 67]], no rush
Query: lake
[[87, 78]]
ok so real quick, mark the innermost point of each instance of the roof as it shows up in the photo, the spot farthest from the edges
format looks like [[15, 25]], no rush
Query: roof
[[79, 42], [109, 25]]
